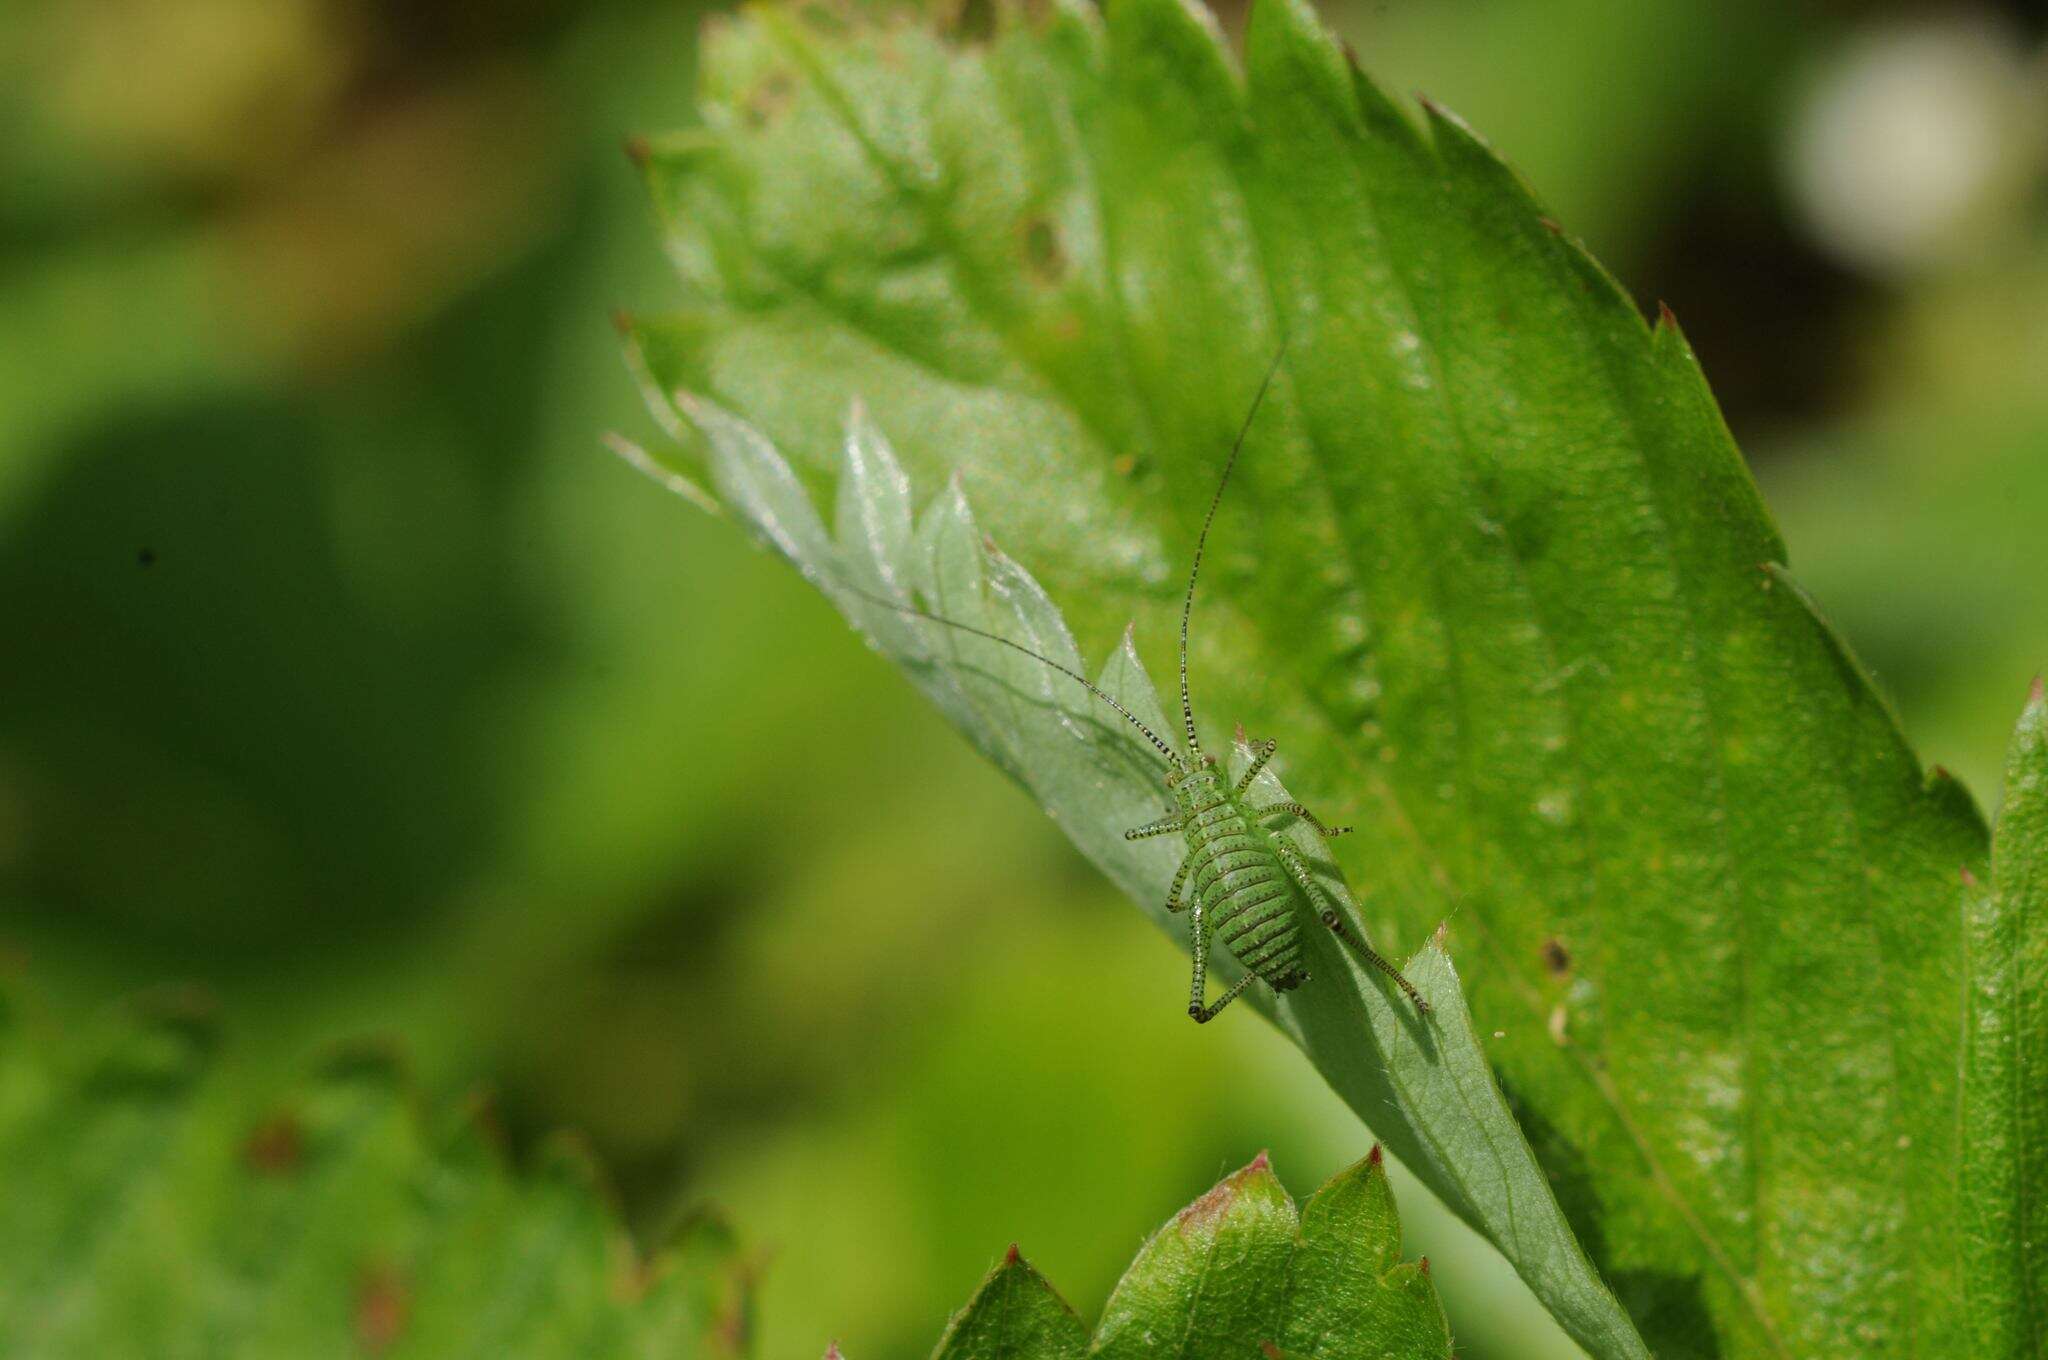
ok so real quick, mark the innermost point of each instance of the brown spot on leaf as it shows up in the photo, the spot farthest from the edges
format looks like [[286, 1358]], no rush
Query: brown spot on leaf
[[639, 151], [1555, 958], [971, 22], [1045, 258], [276, 1146], [383, 1305], [1969, 879], [1271, 1351], [1212, 1206], [770, 98], [1208, 1208]]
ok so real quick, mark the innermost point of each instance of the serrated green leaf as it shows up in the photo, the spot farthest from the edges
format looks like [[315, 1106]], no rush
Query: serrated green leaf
[[2004, 1172], [1238, 1273], [1492, 571], [1015, 1315], [146, 1211], [1426, 1085], [1349, 1296], [1212, 1282]]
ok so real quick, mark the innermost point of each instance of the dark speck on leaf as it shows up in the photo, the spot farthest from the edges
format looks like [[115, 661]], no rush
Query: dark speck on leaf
[[145, 557], [274, 1146], [382, 1306], [770, 99], [1555, 958], [1044, 256]]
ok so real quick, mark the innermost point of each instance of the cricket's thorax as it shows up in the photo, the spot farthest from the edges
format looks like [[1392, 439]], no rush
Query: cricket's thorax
[[1236, 879]]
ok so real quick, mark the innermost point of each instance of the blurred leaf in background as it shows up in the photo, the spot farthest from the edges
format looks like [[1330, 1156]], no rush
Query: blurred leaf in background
[[426, 720]]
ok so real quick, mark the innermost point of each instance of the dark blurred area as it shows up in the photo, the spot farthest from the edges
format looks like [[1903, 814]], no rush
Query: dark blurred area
[[345, 674]]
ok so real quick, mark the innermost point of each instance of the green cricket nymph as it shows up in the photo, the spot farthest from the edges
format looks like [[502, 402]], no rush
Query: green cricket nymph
[[1238, 879]]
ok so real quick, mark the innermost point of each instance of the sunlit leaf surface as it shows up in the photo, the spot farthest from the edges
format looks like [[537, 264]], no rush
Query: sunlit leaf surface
[[1493, 573]]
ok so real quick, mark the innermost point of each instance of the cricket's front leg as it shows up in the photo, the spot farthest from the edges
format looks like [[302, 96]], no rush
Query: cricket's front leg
[[1297, 810], [1261, 753]]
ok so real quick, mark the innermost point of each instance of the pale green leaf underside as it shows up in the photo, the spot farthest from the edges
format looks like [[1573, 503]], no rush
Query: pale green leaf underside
[[1492, 572], [2004, 1173], [1239, 1273], [1423, 1086], [146, 1211]]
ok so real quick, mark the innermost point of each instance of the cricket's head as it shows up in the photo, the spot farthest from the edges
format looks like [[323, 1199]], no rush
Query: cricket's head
[[1193, 776]]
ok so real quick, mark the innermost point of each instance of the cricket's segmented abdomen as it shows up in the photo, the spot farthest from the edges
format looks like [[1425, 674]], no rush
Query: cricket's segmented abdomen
[[1244, 890]]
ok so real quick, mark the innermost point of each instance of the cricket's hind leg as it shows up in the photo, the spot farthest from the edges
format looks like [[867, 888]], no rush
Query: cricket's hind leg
[[1334, 921], [1202, 1014], [1199, 1010]]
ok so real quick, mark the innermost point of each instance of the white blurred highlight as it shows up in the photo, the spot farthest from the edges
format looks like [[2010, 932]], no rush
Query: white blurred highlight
[[1914, 144]]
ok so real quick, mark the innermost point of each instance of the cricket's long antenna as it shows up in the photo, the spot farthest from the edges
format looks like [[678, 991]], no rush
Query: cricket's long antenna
[[1082, 680], [1187, 607]]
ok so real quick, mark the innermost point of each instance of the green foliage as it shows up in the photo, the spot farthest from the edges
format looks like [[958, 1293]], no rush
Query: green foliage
[[1236, 1273], [145, 1210], [1494, 573], [2004, 1172], [1426, 1084]]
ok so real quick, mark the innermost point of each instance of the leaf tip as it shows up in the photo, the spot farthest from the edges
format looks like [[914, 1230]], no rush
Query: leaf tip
[[1422, 1265], [1666, 318], [832, 1351], [1012, 1256], [2037, 693], [1376, 1156], [639, 151], [1260, 1163]]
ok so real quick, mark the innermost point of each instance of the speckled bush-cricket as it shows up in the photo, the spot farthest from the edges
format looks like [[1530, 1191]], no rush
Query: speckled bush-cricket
[[1238, 878]]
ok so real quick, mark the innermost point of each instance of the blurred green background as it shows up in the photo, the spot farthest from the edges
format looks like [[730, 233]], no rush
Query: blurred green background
[[344, 673]]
